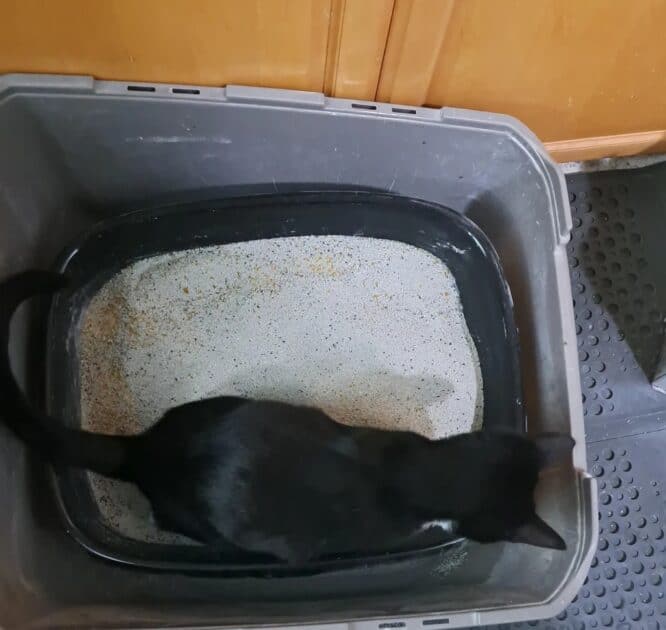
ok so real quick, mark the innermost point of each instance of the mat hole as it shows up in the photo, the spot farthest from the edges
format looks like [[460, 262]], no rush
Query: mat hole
[[435, 622], [370, 108], [402, 110], [391, 624]]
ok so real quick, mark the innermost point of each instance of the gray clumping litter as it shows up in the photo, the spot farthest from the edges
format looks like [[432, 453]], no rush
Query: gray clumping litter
[[369, 330]]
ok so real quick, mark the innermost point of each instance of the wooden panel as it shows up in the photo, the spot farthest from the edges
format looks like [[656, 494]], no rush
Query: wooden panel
[[641, 143], [417, 30], [566, 68], [356, 42], [278, 43]]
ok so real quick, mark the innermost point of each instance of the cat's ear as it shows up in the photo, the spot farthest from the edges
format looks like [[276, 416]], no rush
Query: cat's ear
[[554, 448], [538, 533]]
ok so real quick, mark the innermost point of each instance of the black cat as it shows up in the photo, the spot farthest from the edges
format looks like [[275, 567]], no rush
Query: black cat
[[289, 481]]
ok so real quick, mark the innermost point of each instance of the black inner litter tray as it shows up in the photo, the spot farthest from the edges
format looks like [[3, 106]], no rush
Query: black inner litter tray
[[116, 243]]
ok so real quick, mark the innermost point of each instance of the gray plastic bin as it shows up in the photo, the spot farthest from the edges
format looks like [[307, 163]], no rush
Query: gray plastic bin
[[75, 150]]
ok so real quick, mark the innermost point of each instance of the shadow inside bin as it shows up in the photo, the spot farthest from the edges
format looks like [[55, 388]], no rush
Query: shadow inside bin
[[203, 195], [613, 288], [487, 212], [611, 278]]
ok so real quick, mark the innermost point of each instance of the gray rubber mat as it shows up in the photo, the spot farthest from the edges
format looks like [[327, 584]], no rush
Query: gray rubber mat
[[617, 260]]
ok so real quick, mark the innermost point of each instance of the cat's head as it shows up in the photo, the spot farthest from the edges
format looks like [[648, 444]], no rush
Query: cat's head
[[508, 512]]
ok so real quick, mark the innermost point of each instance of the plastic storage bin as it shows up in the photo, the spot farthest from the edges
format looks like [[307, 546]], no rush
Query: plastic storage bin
[[76, 151]]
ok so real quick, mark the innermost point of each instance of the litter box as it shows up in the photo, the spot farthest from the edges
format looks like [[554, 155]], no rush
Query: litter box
[[78, 151], [118, 242]]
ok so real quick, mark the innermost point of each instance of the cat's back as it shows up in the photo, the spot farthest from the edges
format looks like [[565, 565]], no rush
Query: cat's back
[[207, 421], [215, 425], [289, 480], [274, 477], [298, 445], [236, 446]]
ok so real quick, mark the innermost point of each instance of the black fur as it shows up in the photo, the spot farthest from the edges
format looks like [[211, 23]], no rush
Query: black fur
[[289, 481]]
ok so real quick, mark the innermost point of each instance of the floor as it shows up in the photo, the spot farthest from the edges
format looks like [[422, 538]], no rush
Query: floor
[[617, 278]]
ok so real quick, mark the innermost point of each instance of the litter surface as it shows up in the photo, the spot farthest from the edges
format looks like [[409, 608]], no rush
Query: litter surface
[[369, 330]]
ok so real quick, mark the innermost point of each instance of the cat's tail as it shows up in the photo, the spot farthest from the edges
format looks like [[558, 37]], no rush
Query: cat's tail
[[55, 442]]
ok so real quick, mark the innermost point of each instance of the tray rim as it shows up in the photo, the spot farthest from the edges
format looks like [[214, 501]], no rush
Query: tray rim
[[345, 196]]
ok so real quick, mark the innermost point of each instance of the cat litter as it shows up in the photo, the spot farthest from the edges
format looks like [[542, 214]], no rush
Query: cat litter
[[370, 330]]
